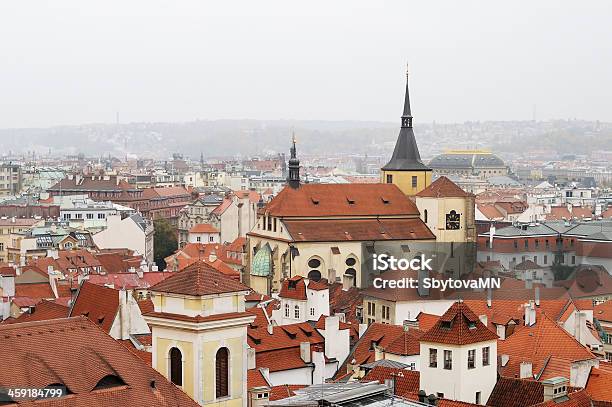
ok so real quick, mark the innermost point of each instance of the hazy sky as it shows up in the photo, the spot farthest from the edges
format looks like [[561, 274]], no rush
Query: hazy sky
[[72, 62]]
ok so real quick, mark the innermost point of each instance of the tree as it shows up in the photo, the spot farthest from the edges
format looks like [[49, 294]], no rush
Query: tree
[[165, 241]]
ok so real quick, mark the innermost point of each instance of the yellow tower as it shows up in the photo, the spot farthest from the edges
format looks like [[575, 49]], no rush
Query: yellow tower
[[405, 169], [199, 335]]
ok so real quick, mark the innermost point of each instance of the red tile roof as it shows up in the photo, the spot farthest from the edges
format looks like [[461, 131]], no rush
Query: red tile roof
[[98, 303], [406, 344], [129, 281], [490, 211], [538, 344], [406, 381], [256, 379], [458, 326], [443, 188], [34, 290], [599, 385], [43, 311], [342, 200], [293, 288], [203, 228], [284, 390], [81, 356], [603, 311], [427, 321], [358, 229], [578, 398], [377, 334], [193, 252], [512, 392], [199, 279]]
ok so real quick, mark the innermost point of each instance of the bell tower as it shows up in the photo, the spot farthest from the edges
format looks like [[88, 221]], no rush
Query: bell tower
[[405, 169]]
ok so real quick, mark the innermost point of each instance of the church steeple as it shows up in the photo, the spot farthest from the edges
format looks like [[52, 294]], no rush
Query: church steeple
[[405, 168], [406, 153], [294, 167]]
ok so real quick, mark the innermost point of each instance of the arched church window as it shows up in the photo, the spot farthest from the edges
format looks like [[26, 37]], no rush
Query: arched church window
[[222, 373], [176, 366]]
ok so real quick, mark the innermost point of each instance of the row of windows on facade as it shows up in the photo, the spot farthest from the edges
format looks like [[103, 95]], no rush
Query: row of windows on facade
[[221, 370], [545, 259], [386, 310], [80, 216], [269, 224], [296, 311], [414, 180], [448, 358], [536, 243]]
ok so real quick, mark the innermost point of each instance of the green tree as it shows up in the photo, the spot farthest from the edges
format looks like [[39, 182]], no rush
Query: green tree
[[165, 242]]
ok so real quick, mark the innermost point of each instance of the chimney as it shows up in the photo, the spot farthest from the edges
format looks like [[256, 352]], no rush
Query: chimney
[[526, 370], [410, 323], [347, 282], [421, 289], [270, 328], [578, 318], [530, 314], [422, 396], [504, 360], [305, 351], [378, 353], [251, 358], [537, 296], [432, 400], [484, 319], [212, 257], [555, 388], [489, 296]]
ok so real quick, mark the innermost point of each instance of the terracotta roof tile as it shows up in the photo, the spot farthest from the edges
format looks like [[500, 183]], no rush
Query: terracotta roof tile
[[203, 228], [406, 381], [98, 303], [34, 290], [538, 344], [603, 311], [511, 392], [82, 355], [443, 188], [341, 200], [359, 230], [43, 311], [293, 288], [199, 279], [599, 385], [256, 379], [458, 326], [284, 390], [578, 398]]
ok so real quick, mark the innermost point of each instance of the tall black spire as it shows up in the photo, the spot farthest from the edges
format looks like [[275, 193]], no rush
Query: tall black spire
[[406, 153], [294, 167]]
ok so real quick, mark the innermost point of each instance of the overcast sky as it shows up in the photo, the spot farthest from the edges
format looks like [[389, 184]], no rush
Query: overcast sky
[[73, 62]]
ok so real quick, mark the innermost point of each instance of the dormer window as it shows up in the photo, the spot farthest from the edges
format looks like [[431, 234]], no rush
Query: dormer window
[[350, 201], [446, 324]]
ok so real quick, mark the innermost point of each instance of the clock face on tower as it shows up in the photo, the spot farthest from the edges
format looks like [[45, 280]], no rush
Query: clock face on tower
[[453, 220]]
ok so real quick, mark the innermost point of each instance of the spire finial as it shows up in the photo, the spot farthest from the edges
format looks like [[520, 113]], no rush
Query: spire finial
[[407, 70], [294, 165]]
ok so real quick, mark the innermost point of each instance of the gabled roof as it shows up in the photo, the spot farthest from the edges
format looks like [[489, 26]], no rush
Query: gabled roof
[[458, 326], [199, 279], [43, 311], [98, 303], [293, 288], [599, 385], [75, 353], [443, 188], [603, 311], [540, 343], [203, 228], [341, 200]]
